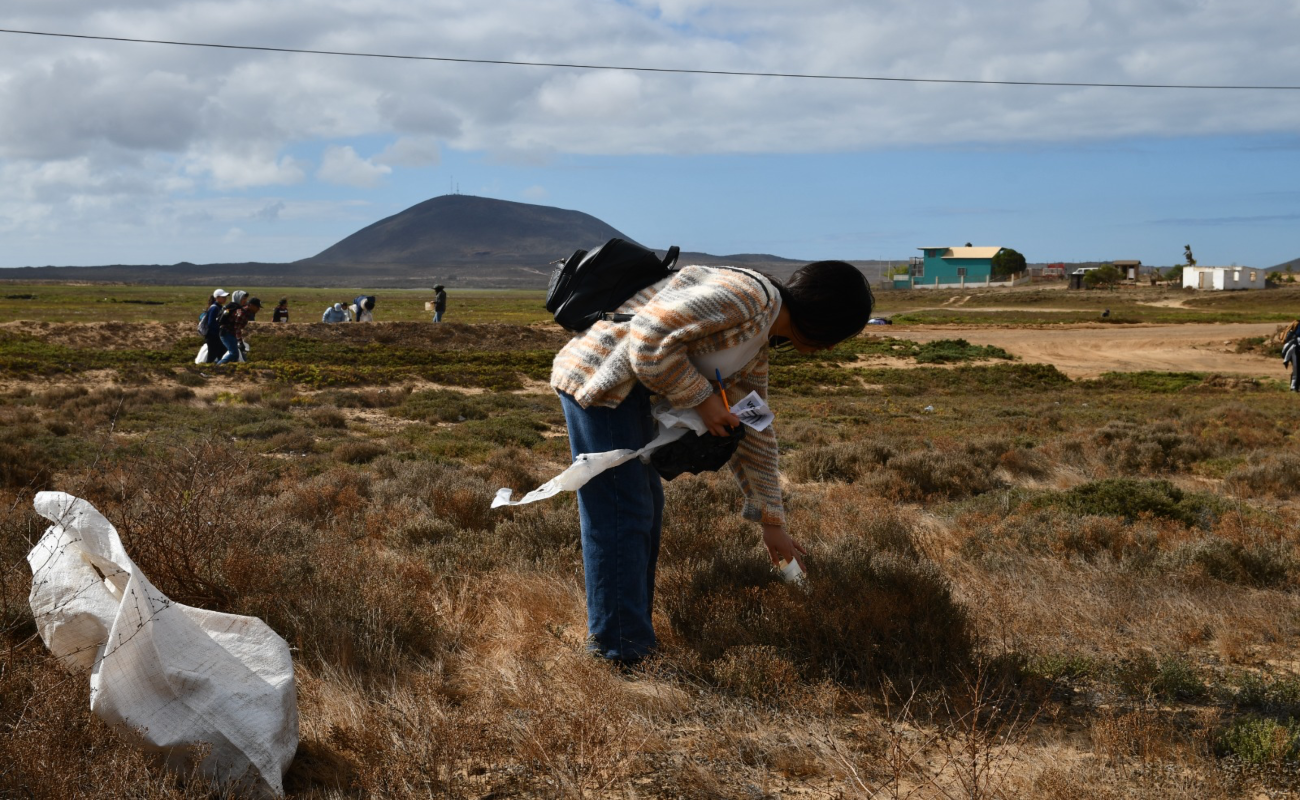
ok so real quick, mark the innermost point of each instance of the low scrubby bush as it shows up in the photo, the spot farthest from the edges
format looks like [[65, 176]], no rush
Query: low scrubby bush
[[841, 461], [359, 451], [862, 614], [1155, 447], [1274, 475], [1130, 499], [1262, 741], [950, 473]]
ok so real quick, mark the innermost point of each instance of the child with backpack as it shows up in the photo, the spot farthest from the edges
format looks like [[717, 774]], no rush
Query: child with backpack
[[668, 340]]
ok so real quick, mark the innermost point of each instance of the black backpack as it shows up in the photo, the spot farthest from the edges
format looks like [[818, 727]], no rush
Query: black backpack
[[589, 286]]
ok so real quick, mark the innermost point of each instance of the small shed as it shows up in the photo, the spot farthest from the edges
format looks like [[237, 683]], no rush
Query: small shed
[[1129, 269], [1219, 279]]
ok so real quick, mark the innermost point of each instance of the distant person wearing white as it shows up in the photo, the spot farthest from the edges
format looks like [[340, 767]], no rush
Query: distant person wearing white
[[211, 325], [362, 307], [335, 313], [439, 302]]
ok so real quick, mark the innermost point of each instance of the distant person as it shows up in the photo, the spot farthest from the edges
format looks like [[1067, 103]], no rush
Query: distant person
[[210, 324], [439, 302], [362, 308], [1291, 353], [233, 322], [335, 313], [281, 312]]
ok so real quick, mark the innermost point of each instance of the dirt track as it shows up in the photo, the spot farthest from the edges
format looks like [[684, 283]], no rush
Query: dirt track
[[1086, 351]]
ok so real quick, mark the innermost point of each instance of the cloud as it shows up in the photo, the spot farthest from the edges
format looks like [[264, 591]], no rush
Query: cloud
[[342, 165], [124, 134], [411, 151], [269, 212], [535, 194], [233, 235]]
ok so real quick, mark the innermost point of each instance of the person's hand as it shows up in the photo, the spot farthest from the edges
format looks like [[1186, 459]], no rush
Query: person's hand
[[780, 547], [717, 417]]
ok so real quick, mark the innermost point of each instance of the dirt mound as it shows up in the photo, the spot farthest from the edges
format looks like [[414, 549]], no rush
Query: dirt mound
[[420, 335]]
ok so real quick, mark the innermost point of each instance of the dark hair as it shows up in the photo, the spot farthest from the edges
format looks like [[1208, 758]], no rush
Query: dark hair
[[254, 302], [829, 301], [438, 288], [284, 301]]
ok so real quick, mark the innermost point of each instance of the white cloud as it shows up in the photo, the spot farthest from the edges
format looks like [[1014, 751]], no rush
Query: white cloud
[[122, 133], [411, 151], [233, 235], [535, 194], [342, 165]]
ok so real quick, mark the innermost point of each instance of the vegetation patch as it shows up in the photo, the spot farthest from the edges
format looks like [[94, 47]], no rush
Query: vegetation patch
[[1131, 499]]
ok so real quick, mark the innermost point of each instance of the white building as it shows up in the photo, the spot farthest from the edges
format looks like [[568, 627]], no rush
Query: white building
[[1223, 278]]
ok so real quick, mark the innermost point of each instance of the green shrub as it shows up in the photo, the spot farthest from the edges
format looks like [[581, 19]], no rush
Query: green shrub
[[950, 351], [1130, 499], [1262, 741], [1149, 381], [1169, 679], [1272, 695]]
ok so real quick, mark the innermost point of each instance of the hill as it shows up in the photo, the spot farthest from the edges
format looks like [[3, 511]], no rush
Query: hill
[[459, 240], [1294, 264], [462, 230]]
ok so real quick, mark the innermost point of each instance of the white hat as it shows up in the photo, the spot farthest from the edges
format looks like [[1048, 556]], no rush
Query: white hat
[[221, 293]]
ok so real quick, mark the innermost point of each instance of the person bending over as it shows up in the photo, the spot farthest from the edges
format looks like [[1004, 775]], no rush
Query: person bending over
[[698, 320], [241, 311]]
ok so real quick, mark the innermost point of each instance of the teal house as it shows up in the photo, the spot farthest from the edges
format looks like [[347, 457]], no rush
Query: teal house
[[940, 266]]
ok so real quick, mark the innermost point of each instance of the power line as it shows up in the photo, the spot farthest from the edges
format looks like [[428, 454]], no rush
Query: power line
[[608, 67]]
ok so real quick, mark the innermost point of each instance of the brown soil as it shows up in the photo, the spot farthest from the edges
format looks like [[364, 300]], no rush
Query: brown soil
[[1087, 351]]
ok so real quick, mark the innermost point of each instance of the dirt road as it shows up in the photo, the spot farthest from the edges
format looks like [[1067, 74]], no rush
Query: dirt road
[[1086, 351]]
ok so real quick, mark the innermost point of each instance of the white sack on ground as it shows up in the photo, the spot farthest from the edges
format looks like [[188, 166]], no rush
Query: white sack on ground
[[202, 356], [175, 679]]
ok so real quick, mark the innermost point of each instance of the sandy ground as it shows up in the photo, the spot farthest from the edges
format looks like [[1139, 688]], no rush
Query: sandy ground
[[1086, 351]]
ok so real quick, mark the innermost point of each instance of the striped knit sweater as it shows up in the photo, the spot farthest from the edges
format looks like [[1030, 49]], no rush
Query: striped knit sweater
[[696, 311]]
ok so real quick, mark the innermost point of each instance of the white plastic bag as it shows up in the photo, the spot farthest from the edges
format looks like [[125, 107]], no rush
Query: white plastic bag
[[202, 357], [174, 679], [673, 424]]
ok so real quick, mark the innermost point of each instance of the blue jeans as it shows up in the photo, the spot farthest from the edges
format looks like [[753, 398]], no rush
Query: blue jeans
[[232, 347], [437, 316], [621, 511]]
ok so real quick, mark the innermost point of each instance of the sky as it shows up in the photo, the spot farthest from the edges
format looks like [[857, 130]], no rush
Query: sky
[[127, 153]]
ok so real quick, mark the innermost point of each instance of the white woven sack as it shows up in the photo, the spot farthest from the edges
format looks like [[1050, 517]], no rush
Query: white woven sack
[[177, 680]]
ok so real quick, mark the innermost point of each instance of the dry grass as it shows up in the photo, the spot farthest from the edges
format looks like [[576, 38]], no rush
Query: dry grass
[[1056, 591]]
